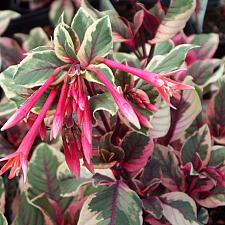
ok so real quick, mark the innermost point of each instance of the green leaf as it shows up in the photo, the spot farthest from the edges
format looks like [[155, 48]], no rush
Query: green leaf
[[171, 61], [35, 69], [36, 38], [205, 72], [217, 156], [179, 208], [7, 109], [163, 48], [28, 213], [5, 17], [3, 220], [116, 205], [102, 102], [161, 121], [42, 174], [68, 184], [168, 167], [97, 41], [203, 216], [188, 108], [65, 43], [200, 143], [138, 149], [177, 15], [80, 23]]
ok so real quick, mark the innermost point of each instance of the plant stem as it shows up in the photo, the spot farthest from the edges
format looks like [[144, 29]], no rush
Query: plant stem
[[116, 131], [151, 53], [143, 43]]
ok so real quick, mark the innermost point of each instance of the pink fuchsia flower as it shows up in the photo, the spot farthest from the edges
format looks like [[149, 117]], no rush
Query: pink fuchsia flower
[[23, 111], [72, 146], [170, 88], [124, 106], [60, 110], [165, 86], [18, 160], [78, 92]]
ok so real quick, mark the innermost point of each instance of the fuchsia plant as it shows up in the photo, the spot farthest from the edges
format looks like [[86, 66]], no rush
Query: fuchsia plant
[[135, 121]]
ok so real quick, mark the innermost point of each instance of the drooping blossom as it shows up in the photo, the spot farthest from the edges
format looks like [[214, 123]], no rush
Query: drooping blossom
[[18, 159], [165, 86], [23, 111], [124, 106], [73, 97]]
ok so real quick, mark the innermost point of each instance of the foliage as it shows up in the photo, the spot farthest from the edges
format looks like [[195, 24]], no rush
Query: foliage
[[106, 137]]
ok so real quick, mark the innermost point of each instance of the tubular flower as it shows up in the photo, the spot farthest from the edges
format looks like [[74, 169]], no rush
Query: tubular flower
[[23, 111], [124, 106], [165, 86], [78, 93], [18, 160]]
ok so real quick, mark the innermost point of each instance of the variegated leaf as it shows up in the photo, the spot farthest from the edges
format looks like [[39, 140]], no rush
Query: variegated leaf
[[216, 114], [28, 213], [49, 208], [168, 168], [153, 206], [177, 15], [10, 51], [35, 69], [215, 199], [102, 102], [138, 149], [80, 23], [12, 91], [97, 41], [163, 48], [200, 143], [187, 109], [5, 17], [42, 174], [208, 42], [65, 43], [171, 61], [91, 77], [68, 184], [161, 121], [58, 7], [36, 38], [217, 156], [205, 72], [179, 208], [117, 205], [3, 220]]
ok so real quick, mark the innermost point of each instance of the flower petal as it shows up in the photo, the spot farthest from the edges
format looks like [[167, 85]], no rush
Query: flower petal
[[60, 111]]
